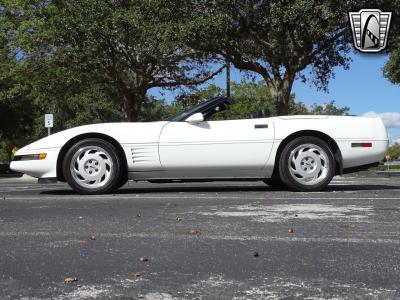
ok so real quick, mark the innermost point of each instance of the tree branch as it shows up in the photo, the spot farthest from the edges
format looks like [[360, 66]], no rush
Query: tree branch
[[184, 81], [237, 60], [317, 51]]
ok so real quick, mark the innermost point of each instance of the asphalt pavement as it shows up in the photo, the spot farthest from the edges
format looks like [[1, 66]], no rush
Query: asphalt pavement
[[224, 240]]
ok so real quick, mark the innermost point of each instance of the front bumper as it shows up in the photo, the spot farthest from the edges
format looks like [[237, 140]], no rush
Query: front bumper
[[45, 168]]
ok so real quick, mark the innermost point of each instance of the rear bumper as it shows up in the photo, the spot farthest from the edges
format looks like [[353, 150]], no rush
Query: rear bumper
[[354, 157]]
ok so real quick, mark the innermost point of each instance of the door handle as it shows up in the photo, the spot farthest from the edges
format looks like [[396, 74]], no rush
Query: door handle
[[257, 126]]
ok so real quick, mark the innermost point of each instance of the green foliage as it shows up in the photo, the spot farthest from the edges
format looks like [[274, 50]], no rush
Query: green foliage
[[394, 152], [249, 99], [386, 168], [297, 107], [193, 97], [392, 67], [329, 108], [29, 88], [94, 104], [4, 154], [157, 110], [16, 108], [275, 39], [124, 44]]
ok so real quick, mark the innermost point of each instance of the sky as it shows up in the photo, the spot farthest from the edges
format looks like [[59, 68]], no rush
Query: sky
[[362, 88]]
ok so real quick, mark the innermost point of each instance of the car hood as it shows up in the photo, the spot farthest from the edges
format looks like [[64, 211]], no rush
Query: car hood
[[124, 133]]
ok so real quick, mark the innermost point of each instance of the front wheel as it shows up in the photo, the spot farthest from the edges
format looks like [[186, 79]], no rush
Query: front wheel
[[306, 164], [92, 166]]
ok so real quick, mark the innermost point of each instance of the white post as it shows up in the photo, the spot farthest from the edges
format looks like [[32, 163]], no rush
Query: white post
[[48, 122]]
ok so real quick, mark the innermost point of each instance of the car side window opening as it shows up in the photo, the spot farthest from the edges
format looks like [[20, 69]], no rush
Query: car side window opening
[[234, 111], [222, 108], [219, 112]]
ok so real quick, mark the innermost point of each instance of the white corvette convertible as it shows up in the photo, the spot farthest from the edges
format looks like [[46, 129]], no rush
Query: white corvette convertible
[[301, 153]]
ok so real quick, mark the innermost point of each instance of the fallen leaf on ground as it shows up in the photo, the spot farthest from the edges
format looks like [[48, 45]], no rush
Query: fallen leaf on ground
[[143, 259], [194, 231], [70, 279]]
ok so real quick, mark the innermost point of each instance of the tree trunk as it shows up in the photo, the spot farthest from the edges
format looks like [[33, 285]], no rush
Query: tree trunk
[[132, 104], [228, 79], [132, 96], [281, 101], [280, 92], [282, 108]]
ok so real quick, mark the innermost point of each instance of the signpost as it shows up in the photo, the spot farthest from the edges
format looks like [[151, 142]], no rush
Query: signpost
[[48, 122], [387, 157]]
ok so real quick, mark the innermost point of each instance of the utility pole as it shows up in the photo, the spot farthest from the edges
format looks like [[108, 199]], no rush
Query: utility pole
[[228, 79]]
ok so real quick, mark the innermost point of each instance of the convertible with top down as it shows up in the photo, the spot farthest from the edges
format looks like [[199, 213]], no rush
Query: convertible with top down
[[300, 153]]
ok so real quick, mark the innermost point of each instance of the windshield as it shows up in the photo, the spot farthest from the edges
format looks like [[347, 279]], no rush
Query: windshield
[[186, 113]]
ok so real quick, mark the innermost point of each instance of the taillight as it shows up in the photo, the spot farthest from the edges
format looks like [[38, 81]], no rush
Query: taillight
[[362, 145]]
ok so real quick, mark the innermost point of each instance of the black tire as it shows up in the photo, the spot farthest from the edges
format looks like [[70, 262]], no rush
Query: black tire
[[123, 181], [307, 164], [97, 157], [275, 182]]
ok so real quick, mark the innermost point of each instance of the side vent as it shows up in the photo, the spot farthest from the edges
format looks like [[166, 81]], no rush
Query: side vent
[[145, 157], [141, 155]]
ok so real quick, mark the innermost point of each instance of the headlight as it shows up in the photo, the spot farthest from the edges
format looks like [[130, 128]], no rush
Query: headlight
[[39, 156]]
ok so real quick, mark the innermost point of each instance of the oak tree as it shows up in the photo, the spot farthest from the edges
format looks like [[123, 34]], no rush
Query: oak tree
[[277, 39], [125, 44]]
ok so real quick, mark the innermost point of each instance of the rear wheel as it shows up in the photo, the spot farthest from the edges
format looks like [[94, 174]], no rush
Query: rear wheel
[[306, 164], [92, 166]]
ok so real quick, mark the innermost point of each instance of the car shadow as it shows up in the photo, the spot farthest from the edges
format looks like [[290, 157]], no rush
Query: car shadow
[[228, 189]]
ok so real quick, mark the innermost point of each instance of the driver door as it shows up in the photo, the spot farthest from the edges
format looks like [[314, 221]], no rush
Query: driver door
[[227, 148]]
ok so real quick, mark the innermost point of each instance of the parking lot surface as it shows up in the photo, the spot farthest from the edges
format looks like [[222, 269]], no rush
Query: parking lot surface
[[224, 240]]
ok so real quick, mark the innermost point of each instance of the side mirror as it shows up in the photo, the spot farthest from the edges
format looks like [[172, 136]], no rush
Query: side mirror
[[196, 118]]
